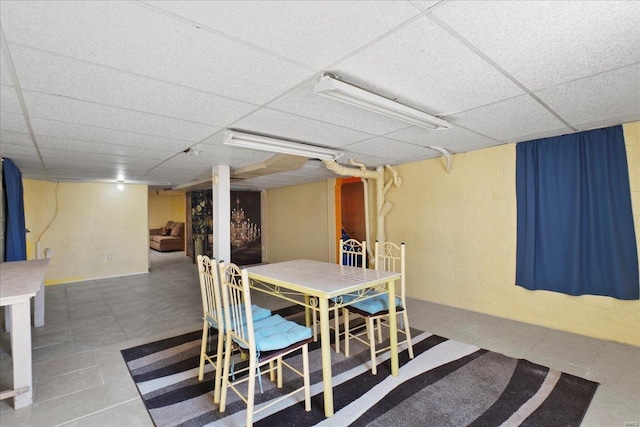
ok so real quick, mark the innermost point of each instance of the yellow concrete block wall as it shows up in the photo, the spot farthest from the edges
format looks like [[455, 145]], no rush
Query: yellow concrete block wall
[[298, 223], [460, 234], [166, 207], [96, 230]]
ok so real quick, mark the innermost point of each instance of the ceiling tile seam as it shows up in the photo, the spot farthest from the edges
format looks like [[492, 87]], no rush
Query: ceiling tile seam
[[16, 87], [497, 67], [102, 127], [102, 144], [261, 106], [123, 156], [219, 33], [324, 122], [109, 67], [73, 98], [377, 39], [599, 73]]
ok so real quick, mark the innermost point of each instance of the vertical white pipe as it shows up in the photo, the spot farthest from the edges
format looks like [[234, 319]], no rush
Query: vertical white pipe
[[367, 230]]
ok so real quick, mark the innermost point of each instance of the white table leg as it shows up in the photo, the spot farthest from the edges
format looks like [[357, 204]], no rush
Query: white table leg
[[393, 328], [21, 352], [325, 345], [38, 307]]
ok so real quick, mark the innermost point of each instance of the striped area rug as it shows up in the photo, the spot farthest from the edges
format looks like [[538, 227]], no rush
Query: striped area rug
[[448, 383]]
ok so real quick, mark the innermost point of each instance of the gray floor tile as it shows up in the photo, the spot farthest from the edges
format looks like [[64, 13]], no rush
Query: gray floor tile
[[82, 380], [61, 385]]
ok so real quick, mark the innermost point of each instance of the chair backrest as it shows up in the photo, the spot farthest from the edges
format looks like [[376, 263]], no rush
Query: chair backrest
[[210, 290], [391, 257], [236, 301], [353, 253]]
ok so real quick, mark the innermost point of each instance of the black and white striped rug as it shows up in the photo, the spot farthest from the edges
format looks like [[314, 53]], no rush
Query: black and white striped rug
[[448, 383]]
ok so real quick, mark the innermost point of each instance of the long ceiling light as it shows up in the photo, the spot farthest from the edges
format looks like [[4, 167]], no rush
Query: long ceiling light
[[275, 145], [332, 87]]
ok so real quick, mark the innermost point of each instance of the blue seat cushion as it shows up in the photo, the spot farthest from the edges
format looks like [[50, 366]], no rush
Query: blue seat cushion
[[257, 312], [275, 333], [376, 304]]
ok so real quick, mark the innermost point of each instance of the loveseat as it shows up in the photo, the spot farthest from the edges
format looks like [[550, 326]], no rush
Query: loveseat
[[168, 238]]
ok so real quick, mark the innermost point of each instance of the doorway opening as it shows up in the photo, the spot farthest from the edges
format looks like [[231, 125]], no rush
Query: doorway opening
[[350, 212]]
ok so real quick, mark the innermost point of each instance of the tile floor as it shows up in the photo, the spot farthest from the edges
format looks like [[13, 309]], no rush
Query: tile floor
[[80, 378]]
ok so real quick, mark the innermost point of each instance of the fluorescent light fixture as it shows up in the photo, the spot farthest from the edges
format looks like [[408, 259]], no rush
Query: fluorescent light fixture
[[275, 145], [332, 87]]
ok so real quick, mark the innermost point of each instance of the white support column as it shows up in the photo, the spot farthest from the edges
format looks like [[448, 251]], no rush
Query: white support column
[[221, 213]]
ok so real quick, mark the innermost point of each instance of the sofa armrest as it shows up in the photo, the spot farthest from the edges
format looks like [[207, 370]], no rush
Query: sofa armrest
[[155, 231]]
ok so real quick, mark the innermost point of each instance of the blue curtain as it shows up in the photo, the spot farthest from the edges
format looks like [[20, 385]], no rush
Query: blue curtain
[[575, 221], [15, 236]]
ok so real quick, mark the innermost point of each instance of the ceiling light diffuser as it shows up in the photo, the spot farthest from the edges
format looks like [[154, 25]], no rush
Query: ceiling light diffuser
[[275, 145], [332, 87]]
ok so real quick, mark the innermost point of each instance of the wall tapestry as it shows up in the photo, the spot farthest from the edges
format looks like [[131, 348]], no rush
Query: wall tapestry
[[246, 235]]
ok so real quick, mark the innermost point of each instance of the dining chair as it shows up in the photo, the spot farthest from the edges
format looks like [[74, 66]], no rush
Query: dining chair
[[261, 342], [388, 257], [213, 317], [353, 253]]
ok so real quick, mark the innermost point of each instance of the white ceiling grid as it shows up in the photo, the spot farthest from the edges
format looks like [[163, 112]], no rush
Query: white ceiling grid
[[128, 86]]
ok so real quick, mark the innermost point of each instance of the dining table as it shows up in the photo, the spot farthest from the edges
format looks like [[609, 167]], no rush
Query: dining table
[[313, 284], [21, 281]]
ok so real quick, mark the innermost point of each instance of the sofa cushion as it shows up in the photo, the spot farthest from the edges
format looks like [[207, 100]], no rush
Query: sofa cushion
[[159, 239], [176, 230]]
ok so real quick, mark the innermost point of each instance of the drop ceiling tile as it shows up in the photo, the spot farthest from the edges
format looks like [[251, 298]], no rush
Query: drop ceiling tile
[[510, 120], [606, 123], [29, 165], [217, 154], [289, 126], [130, 37], [13, 122], [17, 138], [542, 44], [90, 148], [455, 138], [44, 127], [8, 150], [425, 4], [109, 170], [604, 96], [5, 77], [394, 151], [48, 154], [49, 73], [81, 112], [305, 102], [425, 67], [313, 33], [9, 100]]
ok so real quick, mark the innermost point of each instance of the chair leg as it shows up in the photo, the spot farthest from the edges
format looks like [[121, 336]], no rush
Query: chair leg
[[279, 362], [379, 323], [347, 331], [219, 360], [315, 326], [203, 349], [407, 332], [307, 381], [336, 319], [225, 375], [272, 372], [372, 344], [251, 389]]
